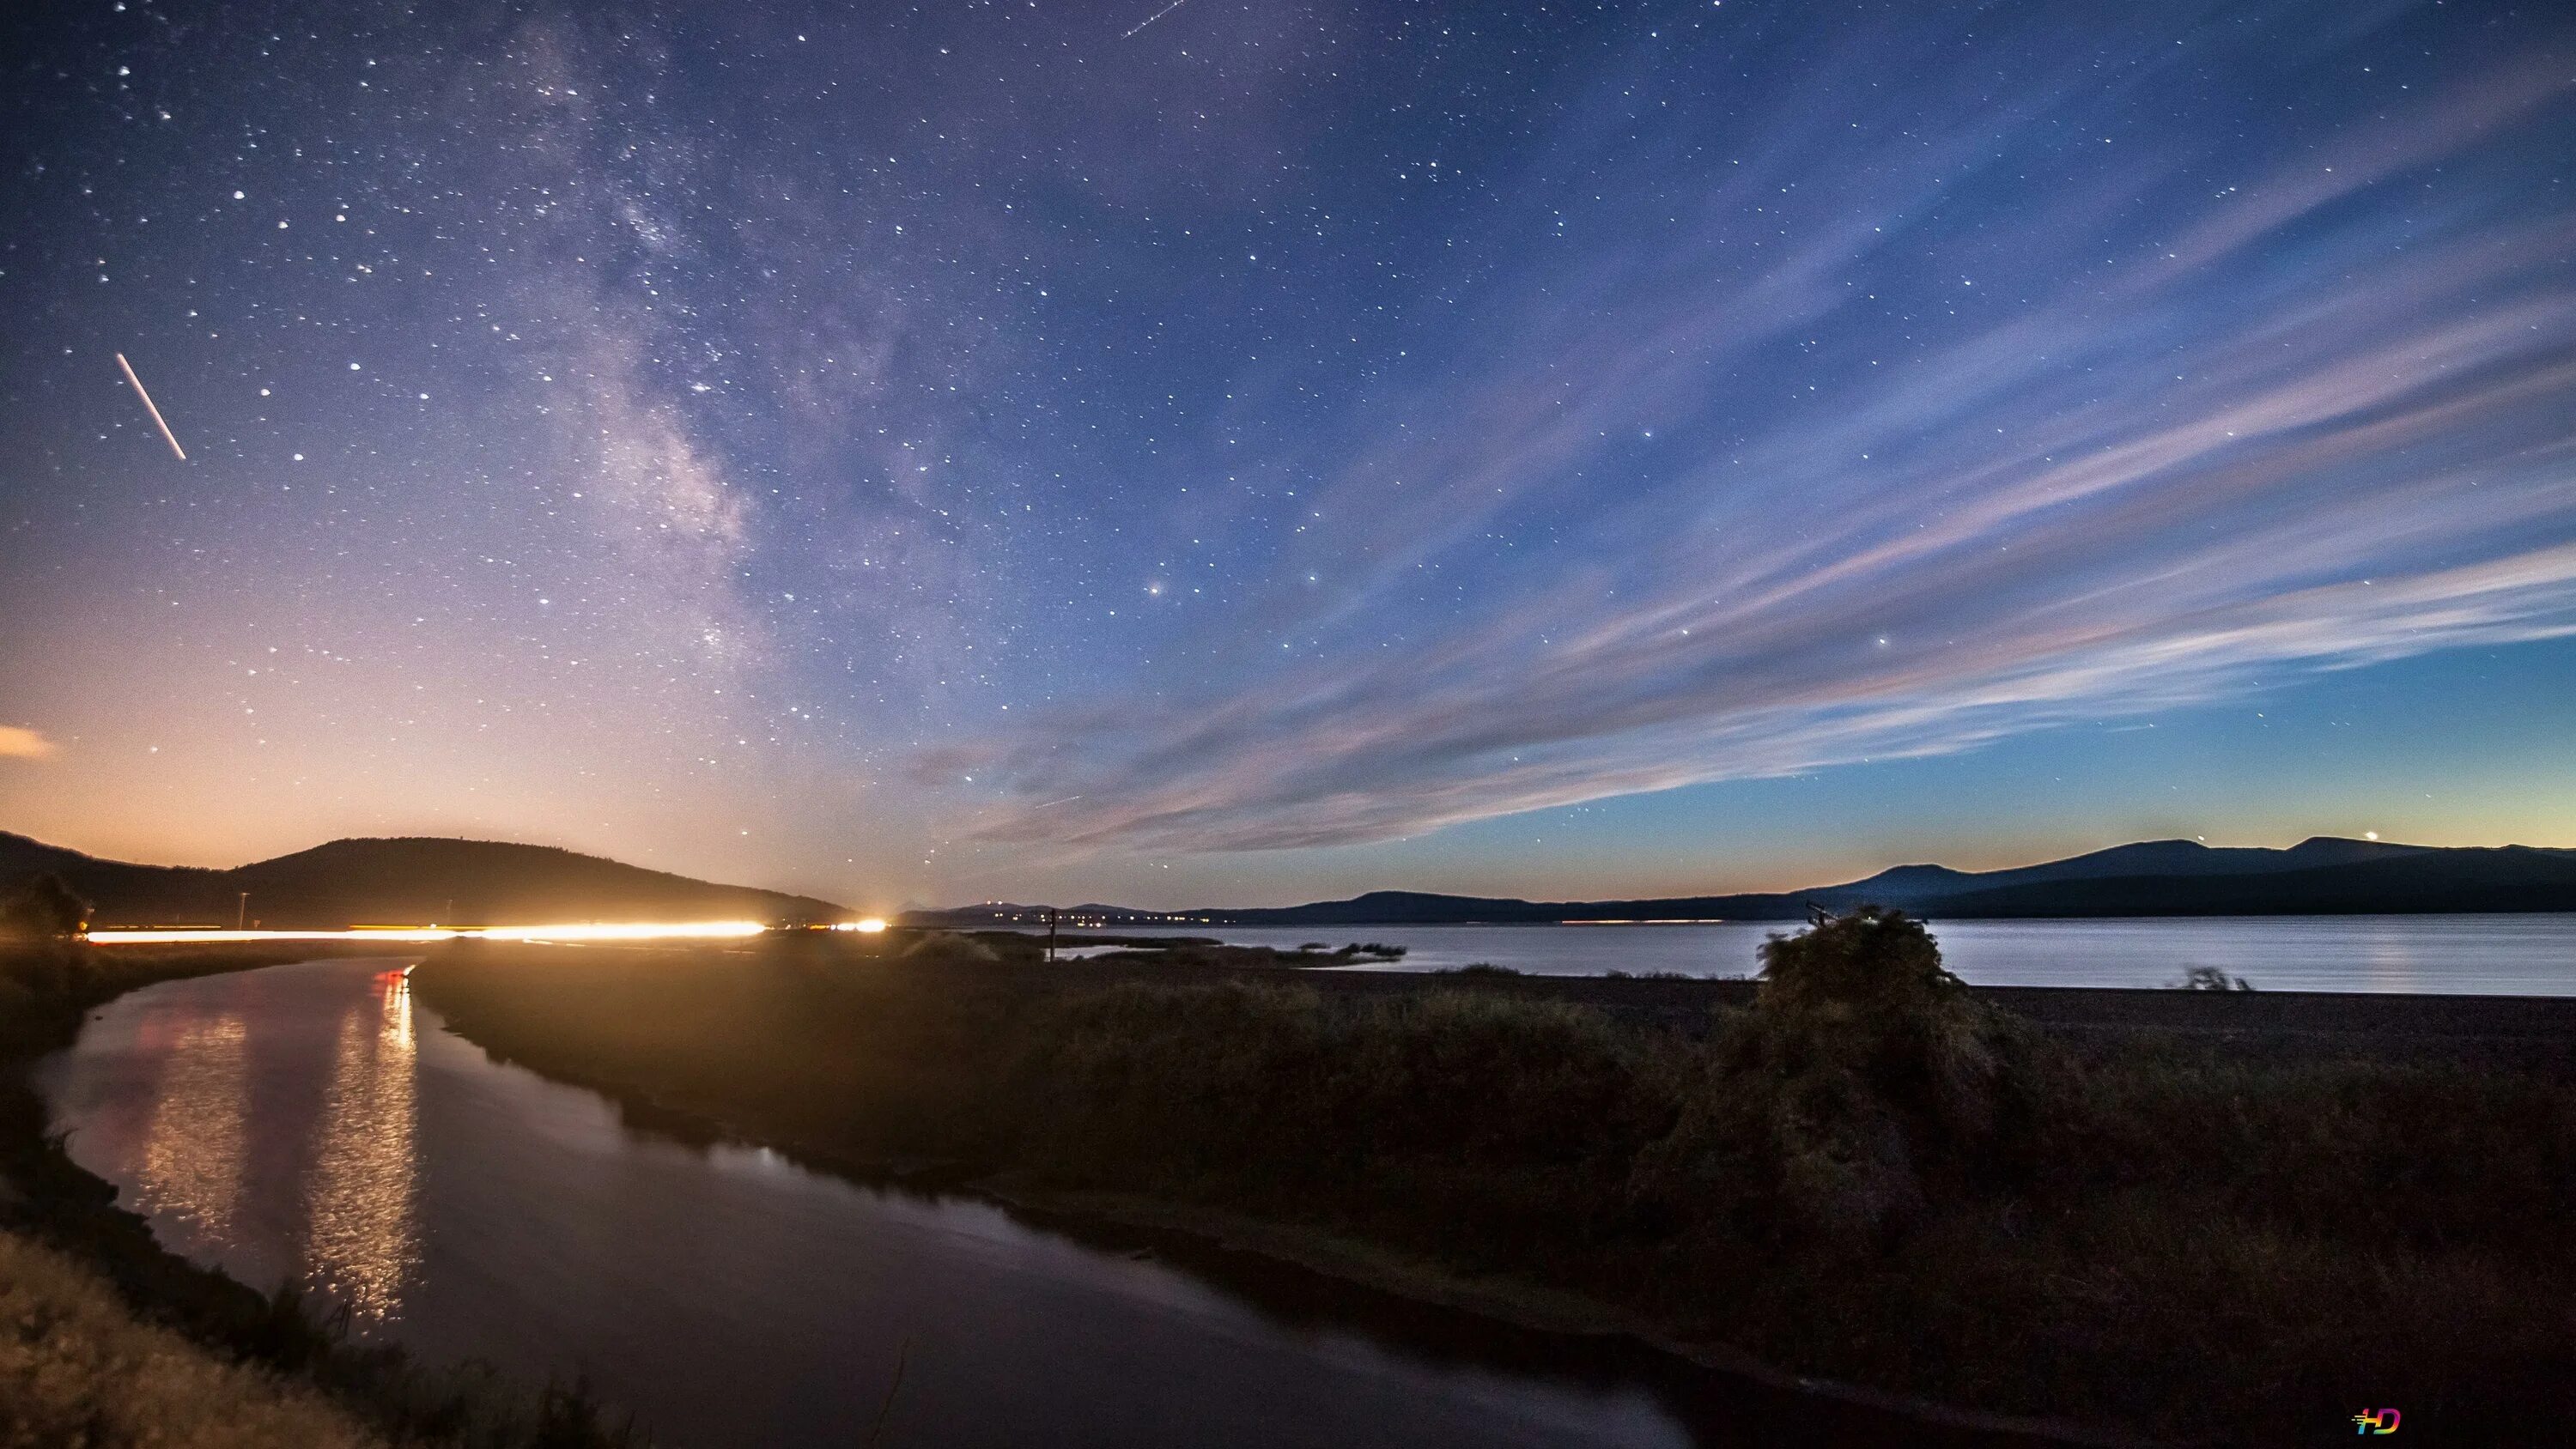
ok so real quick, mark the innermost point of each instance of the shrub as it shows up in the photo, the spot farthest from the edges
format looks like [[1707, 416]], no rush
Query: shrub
[[43, 909], [2209, 978], [1864, 1080], [77, 1368]]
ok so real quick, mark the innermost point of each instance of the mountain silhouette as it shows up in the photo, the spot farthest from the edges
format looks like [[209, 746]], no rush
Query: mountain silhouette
[[2323, 875], [401, 881], [2147, 859]]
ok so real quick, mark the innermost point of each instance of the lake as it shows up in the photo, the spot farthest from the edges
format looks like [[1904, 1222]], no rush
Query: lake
[[312, 1124], [2481, 955]]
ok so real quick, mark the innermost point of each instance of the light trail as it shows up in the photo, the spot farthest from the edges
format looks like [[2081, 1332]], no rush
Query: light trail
[[166, 435], [406, 935], [1157, 15]]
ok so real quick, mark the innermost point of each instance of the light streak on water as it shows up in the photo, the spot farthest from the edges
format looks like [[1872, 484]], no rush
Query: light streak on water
[[194, 1149], [361, 1230]]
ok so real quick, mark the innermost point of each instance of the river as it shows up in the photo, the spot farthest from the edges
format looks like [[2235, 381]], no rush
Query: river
[[2480, 955], [312, 1123]]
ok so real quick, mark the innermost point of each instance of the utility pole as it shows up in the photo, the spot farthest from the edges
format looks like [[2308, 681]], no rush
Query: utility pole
[[1050, 935], [241, 913]]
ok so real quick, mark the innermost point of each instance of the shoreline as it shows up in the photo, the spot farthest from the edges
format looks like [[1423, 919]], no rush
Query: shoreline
[[1350, 1261], [1525, 1305], [52, 1204]]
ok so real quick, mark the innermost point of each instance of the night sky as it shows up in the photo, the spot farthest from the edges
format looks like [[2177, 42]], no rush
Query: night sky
[[1246, 451]]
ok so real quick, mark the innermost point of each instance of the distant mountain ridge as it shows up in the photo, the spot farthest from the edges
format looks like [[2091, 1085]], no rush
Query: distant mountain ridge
[[2145, 859], [408, 880], [416, 880], [2323, 875]]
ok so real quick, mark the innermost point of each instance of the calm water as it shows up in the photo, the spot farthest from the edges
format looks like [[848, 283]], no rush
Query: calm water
[[311, 1122], [2489, 955]]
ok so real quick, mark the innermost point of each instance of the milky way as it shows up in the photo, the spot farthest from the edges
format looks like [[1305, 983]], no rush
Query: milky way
[[989, 449]]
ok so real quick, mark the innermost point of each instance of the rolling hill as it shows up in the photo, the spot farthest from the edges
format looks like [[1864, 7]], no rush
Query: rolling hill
[[401, 881], [2324, 875]]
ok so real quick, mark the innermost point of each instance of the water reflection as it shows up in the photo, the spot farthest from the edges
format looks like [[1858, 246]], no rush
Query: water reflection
[[193, 1150], [361, 1238]]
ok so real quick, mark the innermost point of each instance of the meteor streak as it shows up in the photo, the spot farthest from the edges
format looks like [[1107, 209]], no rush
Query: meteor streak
[[1157, 15], [166, 435]]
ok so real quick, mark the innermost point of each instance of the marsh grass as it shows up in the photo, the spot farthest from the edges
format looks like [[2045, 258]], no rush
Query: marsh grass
[[1868, 1173], [78, 1367]]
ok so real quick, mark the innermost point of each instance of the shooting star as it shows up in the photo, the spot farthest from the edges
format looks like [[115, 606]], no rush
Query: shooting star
[[1157, 15], [166, 435]]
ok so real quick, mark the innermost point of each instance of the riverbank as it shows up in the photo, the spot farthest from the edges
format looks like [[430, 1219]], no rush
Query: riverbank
[[78, 1367], [2170, 1237], [103, 1329]]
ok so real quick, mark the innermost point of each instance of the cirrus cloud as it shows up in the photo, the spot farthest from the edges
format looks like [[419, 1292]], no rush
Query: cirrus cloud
[[17, 742], [1799, 475]]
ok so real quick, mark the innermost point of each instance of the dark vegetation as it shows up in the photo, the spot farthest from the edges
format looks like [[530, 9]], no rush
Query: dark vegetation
[[48, 983], [2210, 978], [1866, 1171], [1354, 951], [1193, 951]]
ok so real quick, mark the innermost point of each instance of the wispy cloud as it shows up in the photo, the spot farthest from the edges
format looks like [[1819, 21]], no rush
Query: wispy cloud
[[20, 743], [1800, 477]]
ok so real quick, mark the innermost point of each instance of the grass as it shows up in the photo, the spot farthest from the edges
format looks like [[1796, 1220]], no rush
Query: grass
[[1868, 1174], [78, 1367], [108, 1339]]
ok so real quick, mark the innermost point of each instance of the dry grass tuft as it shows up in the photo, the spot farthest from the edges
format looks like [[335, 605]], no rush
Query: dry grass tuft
[[76, 1368]]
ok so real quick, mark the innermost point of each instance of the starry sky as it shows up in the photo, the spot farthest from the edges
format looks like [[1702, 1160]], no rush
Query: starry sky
[[1243, 451]]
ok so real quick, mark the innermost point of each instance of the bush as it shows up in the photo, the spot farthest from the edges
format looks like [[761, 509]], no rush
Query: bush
[[2209, 978], [76, 1367], [43, 909], [1864, 1079]]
